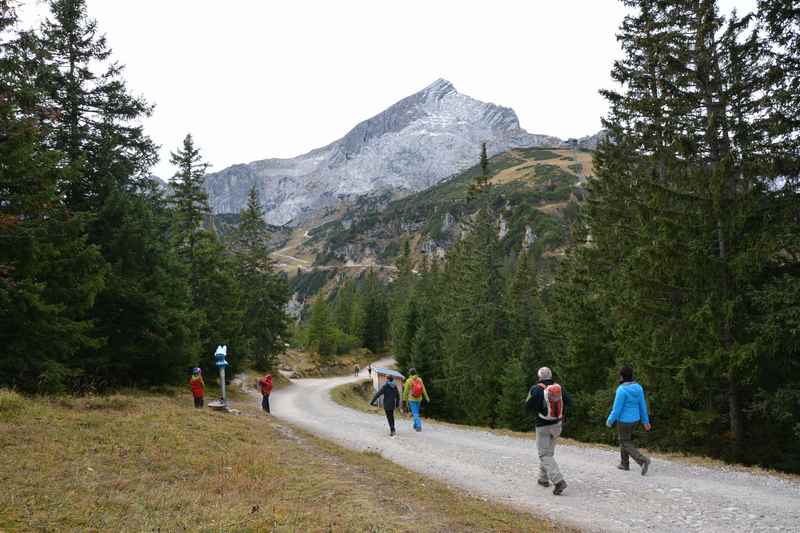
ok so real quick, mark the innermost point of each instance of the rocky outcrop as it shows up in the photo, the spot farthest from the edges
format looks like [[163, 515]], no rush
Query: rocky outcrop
[[412, 145], [447, 222], [529, 239], [590, 142], [503, 229]]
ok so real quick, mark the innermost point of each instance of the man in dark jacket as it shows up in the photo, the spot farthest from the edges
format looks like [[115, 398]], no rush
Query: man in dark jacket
[[391, 401], [548, 400]]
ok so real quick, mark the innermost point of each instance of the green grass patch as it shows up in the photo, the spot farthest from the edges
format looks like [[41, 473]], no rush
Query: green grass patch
[[355, 396]]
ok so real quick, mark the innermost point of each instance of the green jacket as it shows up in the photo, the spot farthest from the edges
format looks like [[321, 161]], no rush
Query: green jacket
[[407, 390]]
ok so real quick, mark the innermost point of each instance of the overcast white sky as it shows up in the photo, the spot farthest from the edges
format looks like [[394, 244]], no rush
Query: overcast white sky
[[253, 79]]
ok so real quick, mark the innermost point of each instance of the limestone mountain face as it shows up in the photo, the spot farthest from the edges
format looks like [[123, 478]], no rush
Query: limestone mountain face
[[409, 147]]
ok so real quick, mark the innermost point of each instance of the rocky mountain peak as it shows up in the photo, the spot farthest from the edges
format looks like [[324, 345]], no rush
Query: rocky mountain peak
[[413, 144], [438, 89]]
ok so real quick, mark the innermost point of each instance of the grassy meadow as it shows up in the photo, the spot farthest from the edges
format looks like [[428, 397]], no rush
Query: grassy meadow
[[151, 462]]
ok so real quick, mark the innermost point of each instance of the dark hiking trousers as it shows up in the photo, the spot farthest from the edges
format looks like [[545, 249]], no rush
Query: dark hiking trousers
[[390, 418], [198, 401], [265, 402], [626, 446]]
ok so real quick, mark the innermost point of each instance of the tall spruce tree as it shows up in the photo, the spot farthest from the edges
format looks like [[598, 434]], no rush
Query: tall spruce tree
[[214, 288], [481, 182], [679, 207], [402, 307], [217, 294], [425, 352], [190, 198], [321, 336], [49, 273], [777, 388], [145, 312], [95, 123], [143, 326], [525, 344], [264, 301], [345, 308], [475, 339], [376, 313]]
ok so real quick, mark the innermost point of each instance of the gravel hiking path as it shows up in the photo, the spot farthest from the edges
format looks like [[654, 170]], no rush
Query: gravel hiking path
[[674, 496]]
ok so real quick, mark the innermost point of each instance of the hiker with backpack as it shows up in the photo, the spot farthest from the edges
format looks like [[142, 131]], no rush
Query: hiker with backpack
[[391, 401], [265, 386], [413, 392], [628, 410], [547, 399]]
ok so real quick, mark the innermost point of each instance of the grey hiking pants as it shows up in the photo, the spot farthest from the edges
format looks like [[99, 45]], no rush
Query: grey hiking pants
[[626, 446], [546, 437]]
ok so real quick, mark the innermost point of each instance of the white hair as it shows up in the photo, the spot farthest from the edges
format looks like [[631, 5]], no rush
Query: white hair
[[545, 373]]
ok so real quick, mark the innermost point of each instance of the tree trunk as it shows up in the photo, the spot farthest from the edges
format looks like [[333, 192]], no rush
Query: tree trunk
[[735, 414]]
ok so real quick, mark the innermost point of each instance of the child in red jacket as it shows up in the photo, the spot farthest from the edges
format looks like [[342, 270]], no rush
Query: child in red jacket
[[198, 387]]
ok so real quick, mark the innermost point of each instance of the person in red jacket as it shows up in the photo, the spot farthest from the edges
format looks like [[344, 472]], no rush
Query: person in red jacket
[[265, 384], [198, 387]]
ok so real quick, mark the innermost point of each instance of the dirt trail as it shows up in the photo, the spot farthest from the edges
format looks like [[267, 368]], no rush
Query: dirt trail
[[674, 496]]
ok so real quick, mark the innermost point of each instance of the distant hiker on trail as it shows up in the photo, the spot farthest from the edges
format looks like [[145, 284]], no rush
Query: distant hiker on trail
[[198, 387], [413, 392], [548, 399], [629, 409], [369, 369], [358, 369], [391, 401], [265, 385]]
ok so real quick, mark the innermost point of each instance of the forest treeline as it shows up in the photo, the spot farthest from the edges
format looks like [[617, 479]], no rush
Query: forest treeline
[[105, 281], [355, 315], [684, 262]]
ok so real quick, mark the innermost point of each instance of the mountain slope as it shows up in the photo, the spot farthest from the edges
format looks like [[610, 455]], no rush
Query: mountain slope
[[534, 197], [410, 146], [532, 192]]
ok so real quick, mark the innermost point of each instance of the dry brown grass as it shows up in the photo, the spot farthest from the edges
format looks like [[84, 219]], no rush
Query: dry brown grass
[[146, 463], [584, 158], [526, 169], [552, 209]]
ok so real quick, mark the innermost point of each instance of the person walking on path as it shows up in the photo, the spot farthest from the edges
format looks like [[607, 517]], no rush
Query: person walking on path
[[369, 369], [391, 401], [265, 385], [357, 369], [548, 400], [413, 392], [198, 387], [629, 409]]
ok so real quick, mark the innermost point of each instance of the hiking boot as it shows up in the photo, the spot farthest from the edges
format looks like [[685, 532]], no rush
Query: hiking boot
[[623, 467], [417, 429], [543, 482], [559, 488], [645, 466], [393, 433]]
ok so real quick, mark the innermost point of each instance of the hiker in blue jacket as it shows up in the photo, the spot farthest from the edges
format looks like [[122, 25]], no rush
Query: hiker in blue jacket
[[629, 409]]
